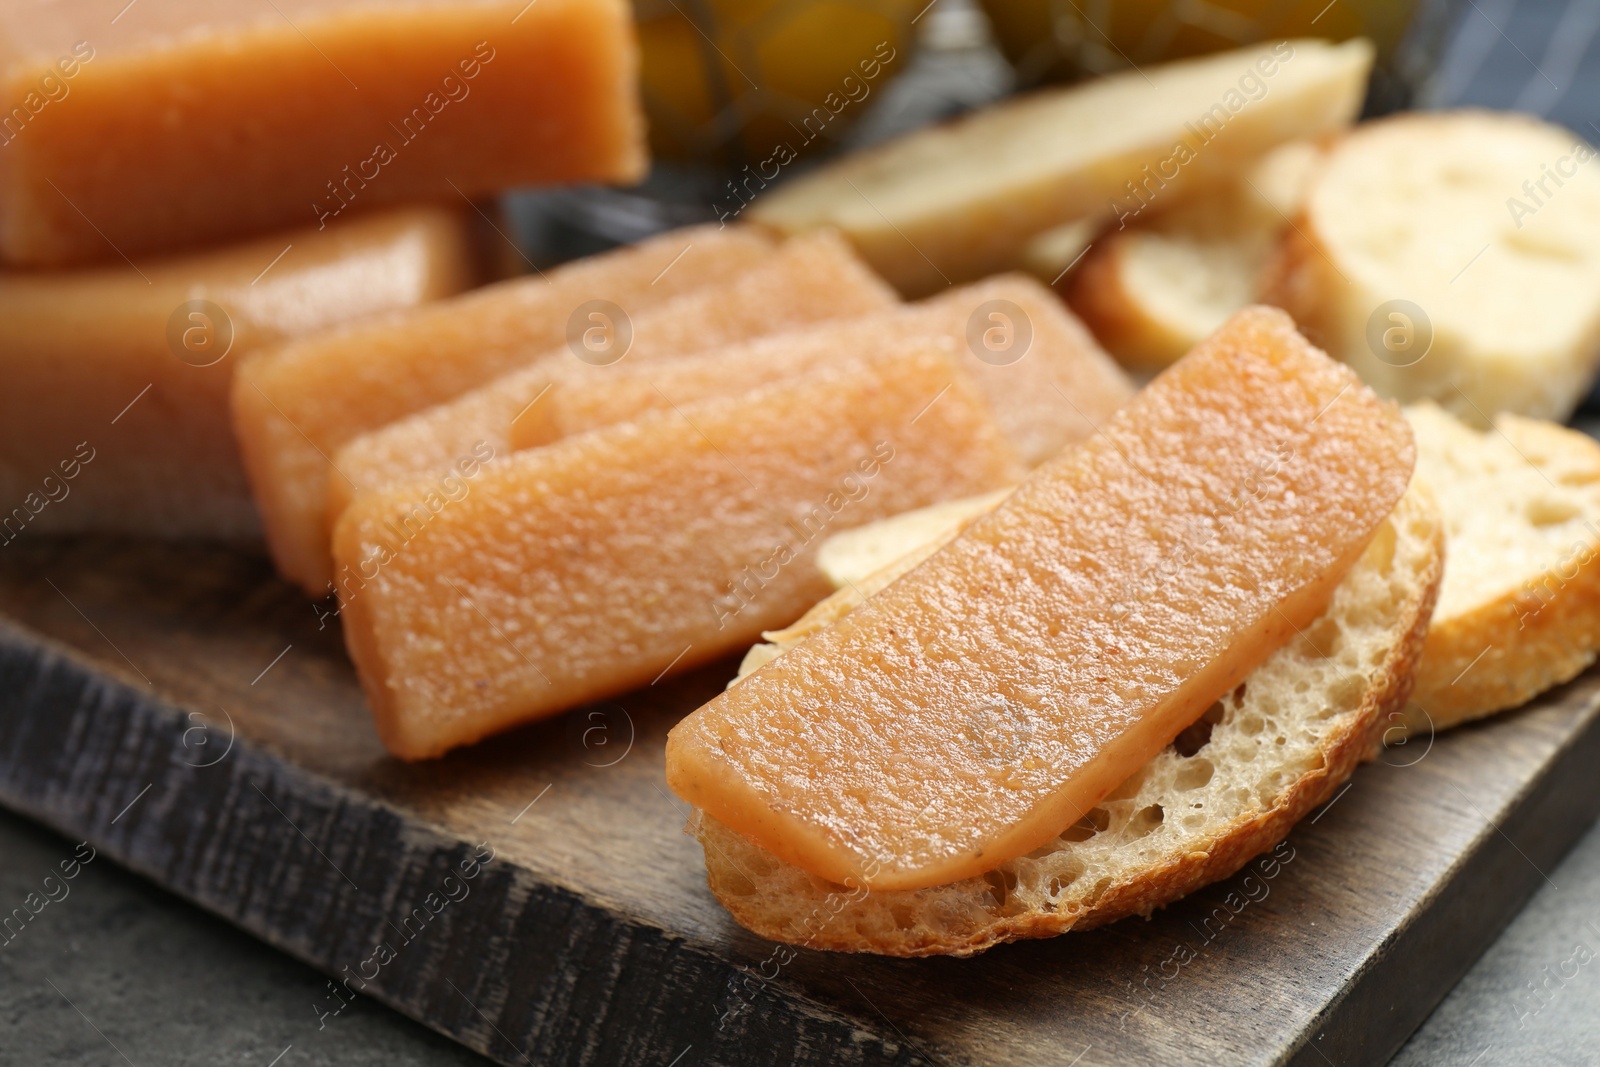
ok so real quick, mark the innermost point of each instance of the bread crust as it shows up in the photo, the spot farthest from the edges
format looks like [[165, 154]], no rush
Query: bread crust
[[1229, 234], [1357, 737], [1507, 652], [1097, 293], [1294, 280], [1349, 747], [1542, 634]]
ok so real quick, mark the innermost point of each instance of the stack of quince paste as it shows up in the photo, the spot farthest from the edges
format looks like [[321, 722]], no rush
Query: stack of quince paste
[[1045, 465]]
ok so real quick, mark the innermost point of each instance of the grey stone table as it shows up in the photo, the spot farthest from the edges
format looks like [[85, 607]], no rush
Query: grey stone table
[[113, 971], [1533, 999]]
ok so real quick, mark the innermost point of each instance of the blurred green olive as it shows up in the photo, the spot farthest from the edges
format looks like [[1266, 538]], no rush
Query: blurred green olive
[[730, 80]]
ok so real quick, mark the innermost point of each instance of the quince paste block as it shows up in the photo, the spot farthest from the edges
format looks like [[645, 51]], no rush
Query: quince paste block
[[1047, 380], [132, 128], [136, 367], [986, 701], [810, 279], [589, 567], [296, 405]]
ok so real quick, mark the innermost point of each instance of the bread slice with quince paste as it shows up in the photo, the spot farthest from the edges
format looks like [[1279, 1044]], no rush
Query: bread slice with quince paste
[[1230, 786]]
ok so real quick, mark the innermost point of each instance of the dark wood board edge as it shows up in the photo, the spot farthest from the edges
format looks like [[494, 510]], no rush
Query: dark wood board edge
[[566, 978], [519, 970], [1411, 973]]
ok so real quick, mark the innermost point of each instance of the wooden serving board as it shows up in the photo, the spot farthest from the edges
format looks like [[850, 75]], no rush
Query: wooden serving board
[[181, 709]]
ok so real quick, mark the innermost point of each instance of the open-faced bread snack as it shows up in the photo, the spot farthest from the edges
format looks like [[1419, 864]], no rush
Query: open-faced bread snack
[[1092, 616], [1519, 610], [1154, 290], [955, 202], [1453, 257], [1228, 788]]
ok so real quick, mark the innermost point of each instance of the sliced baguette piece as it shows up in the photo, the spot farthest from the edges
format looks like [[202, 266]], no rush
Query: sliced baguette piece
[[1096, 613], [1051, 254], [1488, 226], [955, 202], [869, 557], [855, 555], [1519, 611], [1229, 788], [1152, 292]]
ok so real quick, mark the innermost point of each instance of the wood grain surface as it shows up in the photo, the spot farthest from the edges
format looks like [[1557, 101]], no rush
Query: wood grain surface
[[182, 709]]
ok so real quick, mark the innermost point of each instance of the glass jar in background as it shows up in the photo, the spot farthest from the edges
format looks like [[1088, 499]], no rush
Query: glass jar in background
[[734, 82], [747, 92], [737, 93]]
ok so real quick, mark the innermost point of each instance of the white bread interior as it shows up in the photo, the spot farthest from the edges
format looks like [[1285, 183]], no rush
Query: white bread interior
[[1153, 291], [852, 556], [1487, 222]]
